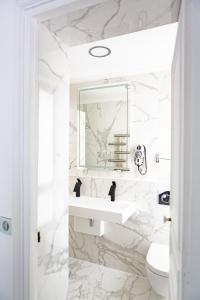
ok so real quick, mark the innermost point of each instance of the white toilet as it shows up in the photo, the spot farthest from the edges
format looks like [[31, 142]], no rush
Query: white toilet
[[157, 267]]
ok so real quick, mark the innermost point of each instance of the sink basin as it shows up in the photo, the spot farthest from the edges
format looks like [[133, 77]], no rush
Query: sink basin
[[101, 209]]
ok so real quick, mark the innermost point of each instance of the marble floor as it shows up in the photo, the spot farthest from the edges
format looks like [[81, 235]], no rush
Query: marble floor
[[88, 281]]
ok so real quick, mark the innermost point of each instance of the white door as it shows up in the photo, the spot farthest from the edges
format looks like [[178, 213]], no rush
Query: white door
[[185, 178], [52, 273], [52, 213], [176, 170]]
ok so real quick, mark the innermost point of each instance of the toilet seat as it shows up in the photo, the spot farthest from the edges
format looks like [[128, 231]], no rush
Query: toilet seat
[[157, 260]]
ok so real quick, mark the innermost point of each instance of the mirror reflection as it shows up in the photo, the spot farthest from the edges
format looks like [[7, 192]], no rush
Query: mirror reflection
[[103, 127]]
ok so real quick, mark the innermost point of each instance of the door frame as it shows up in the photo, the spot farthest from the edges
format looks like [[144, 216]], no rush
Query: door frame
[[177, 144], [32, 11], [189, 287]]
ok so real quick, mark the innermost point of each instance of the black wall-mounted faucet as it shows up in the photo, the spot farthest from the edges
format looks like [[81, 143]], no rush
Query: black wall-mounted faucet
[[112, 191], [77, 187]]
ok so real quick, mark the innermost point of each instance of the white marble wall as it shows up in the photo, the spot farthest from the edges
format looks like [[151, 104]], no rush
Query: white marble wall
[[52, 277], [125, 246], [122, 247], [149, 119], [112, 18]]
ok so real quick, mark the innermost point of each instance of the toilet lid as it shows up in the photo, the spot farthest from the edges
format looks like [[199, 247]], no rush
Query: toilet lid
[[158, 259]]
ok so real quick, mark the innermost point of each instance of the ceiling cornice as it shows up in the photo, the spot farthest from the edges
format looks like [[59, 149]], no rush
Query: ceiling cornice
[[29, 4], [44, 9]]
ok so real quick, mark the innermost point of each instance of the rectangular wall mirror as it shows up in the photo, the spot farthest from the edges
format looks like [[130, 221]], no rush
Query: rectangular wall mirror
[[104, 127]]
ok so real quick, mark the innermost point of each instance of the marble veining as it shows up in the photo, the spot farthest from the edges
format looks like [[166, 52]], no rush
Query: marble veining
[[94, 282], [111, 18], [101, 121], [149, 100], [53, 260], [124, 247], [53, 225], [53, 61]]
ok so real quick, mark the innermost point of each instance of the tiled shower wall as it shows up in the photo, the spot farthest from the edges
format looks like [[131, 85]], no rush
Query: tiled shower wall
[[125, 246]]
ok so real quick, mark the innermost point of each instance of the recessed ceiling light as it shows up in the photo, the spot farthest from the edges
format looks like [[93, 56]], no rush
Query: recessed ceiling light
[[99, 51]]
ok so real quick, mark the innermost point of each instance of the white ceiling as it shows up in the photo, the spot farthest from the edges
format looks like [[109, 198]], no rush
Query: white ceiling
[[144, 51]]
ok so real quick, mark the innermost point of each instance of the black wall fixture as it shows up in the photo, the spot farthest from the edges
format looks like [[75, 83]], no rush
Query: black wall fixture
[[164, 198]]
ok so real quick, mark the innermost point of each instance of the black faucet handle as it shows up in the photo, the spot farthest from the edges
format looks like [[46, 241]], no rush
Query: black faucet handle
[[112, 191], [77, 187], [114, 184], [79, 181]]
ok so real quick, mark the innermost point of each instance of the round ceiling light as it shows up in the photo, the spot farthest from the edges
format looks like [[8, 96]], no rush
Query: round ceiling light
[[99, 51]]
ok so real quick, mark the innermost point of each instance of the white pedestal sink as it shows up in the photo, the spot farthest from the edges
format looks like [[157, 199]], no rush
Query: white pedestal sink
[[101, 209]]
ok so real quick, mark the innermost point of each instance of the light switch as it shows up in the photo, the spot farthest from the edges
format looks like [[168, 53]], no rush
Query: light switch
[[6, 225]]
